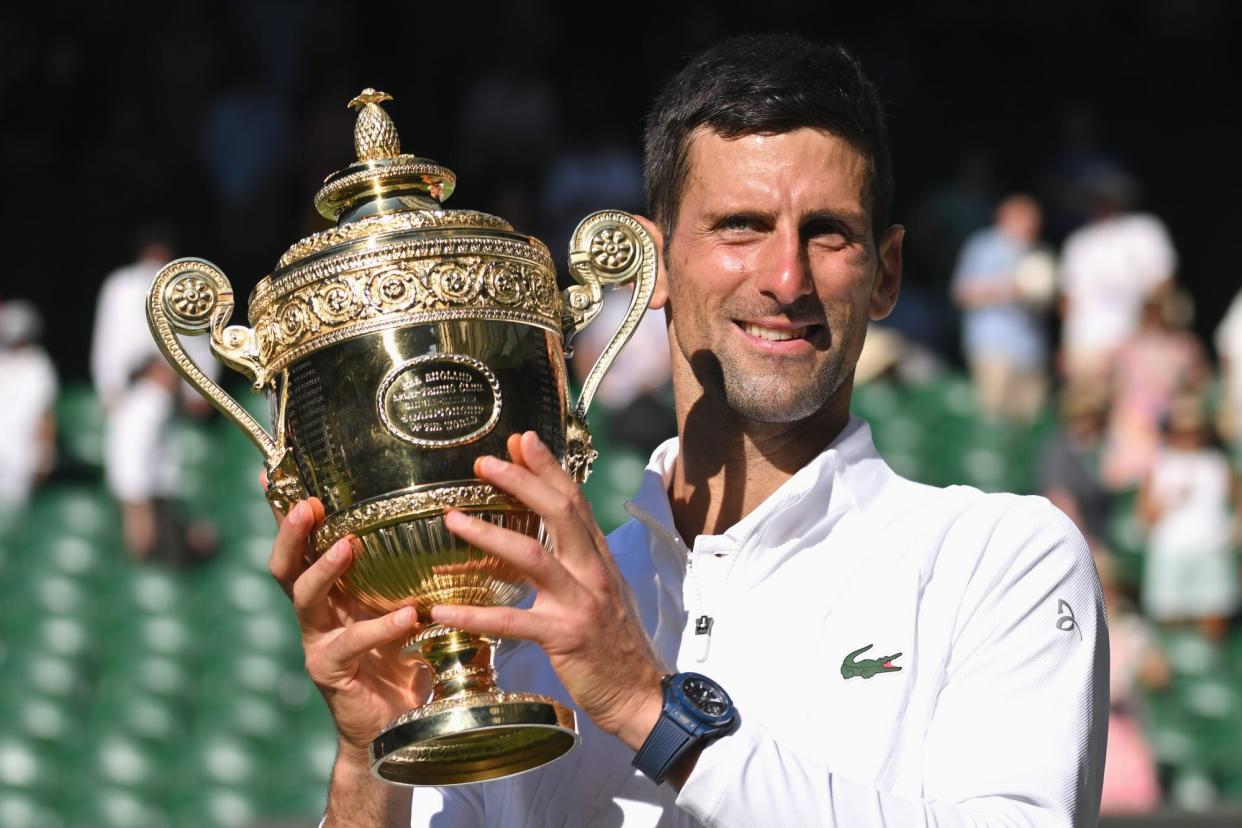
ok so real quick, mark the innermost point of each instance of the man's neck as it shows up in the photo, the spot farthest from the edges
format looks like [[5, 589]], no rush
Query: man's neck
[[728, 466]]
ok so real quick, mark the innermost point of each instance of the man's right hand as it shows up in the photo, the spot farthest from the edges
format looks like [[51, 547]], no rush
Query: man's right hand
[[353, 657]]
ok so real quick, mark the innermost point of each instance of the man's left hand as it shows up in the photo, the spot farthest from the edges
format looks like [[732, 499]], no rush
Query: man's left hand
[[584, 616]]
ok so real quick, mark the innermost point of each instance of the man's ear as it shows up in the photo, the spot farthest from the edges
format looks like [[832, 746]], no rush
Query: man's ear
[[660, 297], [888, 273]]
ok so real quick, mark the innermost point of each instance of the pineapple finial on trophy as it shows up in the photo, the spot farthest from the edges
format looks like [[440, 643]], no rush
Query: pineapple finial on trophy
[[375, 135]]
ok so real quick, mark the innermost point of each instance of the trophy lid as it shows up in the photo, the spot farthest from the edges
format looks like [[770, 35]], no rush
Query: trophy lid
[[384, 192], [383, 179]]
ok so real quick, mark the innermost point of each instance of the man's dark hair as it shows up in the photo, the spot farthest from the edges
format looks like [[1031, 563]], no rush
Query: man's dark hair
[[764, 84]]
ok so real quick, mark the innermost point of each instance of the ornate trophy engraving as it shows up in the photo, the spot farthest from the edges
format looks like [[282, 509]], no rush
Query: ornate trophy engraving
[[395, 348]]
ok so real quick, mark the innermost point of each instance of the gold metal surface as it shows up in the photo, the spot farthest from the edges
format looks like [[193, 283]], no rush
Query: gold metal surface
[[394, 349]]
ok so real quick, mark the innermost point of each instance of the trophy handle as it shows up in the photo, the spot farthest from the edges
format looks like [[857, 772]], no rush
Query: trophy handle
[[193, 297], [609, 248]]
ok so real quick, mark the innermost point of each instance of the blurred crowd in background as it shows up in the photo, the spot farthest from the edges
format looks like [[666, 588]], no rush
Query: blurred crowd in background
[[1066, 329]]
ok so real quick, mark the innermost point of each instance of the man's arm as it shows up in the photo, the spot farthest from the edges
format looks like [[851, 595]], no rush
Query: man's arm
[[358, 798], [1018, 734]]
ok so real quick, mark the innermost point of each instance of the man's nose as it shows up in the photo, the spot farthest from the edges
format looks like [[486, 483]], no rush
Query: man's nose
[[784, 271]]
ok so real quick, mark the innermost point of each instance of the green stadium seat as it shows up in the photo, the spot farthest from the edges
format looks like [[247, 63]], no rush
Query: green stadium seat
[[79, 426], [43, 719], [26, 766], [20, 809], [216, 807], [106, 806]]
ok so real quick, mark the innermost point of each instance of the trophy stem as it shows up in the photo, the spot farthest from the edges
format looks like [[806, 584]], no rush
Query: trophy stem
[[470, 730], [462, 661]]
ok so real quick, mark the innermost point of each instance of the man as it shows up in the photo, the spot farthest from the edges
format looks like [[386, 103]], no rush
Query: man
[[1002, 332], [1110, 269], [896, 654]]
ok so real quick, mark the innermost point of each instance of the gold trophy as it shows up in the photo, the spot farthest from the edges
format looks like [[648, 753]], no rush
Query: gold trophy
[[394, 349]]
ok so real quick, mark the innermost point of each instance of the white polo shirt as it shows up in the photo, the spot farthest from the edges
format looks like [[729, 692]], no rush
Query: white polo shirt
[[985, 608]]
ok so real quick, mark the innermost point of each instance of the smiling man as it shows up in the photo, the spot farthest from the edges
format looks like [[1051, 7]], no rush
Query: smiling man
[[787, 633]]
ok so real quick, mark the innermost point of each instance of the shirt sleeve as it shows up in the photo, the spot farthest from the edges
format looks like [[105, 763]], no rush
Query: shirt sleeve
[[1018, 734]]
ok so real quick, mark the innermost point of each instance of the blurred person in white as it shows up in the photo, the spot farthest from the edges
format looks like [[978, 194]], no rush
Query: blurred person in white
[[1135, 661], [1161, 360], [1190, 502], [141, 394], [1003, 283], [637, 390], [28, 388], [1108, 270], [1229, 350]]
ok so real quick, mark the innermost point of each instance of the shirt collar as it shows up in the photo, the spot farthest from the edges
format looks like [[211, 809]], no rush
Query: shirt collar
[[849, 457]]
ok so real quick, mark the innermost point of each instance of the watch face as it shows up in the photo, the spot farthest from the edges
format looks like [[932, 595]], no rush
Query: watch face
[[706, 696]]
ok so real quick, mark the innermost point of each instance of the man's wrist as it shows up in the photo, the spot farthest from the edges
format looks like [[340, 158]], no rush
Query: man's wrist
[[351, 758], [636, 727], [356, 798]]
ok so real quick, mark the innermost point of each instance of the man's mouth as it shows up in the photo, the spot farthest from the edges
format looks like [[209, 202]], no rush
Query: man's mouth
[[774, 334]]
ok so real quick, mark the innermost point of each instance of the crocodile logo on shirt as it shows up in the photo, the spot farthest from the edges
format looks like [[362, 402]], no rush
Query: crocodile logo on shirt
[[867, 667]]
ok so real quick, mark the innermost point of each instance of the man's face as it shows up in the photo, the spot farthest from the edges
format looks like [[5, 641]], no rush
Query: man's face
[[772, 271]]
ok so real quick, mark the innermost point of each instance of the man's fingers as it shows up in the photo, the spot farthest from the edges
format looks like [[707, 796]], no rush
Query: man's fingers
[[338, 656], [524, 553], [310, 590], [514, 446], [288, 558], [564, 513], [497, 622], [537, 458]]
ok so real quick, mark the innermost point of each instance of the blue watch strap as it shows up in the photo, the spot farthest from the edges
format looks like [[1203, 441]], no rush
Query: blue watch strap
[[666, 742]]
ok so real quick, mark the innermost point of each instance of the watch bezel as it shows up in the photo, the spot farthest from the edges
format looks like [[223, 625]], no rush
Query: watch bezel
[[676, 685]]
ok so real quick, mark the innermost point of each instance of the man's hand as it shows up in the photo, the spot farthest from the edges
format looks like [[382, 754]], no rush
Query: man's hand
[[353, 657], [584, 616]]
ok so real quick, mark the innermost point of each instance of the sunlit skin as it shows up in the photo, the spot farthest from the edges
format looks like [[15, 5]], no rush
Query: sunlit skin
[[774, 231]]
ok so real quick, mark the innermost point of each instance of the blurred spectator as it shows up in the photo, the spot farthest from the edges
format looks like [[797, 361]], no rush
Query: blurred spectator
[[1066, 174], [1135, 660], [1002, 283], [600, 169], [888, 355], [1189, 501], [1162, 359], [246, 141], [27, 419], [1229, 349], [1108, 270], [139, 392], [635, 393], [939, 225], [1068, 472], [509, 128]]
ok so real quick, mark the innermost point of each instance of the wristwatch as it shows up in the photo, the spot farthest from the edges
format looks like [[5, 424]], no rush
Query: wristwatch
[[696, 709]]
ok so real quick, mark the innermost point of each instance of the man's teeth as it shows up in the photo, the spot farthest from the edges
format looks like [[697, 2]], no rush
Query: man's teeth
[[772, 333]]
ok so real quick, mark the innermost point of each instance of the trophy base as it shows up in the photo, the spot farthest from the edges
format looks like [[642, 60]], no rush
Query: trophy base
[[473, 738]]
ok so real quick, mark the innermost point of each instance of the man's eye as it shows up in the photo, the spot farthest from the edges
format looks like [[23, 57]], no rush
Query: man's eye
[[830, 234], [740, 223]]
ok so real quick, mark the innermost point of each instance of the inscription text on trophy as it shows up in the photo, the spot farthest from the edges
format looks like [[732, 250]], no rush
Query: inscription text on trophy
[[439, 400]]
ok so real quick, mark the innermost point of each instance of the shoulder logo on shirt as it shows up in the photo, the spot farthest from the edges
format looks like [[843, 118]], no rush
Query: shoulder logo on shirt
[[1065, 618], [853, 666]]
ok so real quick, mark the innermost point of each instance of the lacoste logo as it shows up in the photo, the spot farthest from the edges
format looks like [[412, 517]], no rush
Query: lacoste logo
[[867, 667]]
